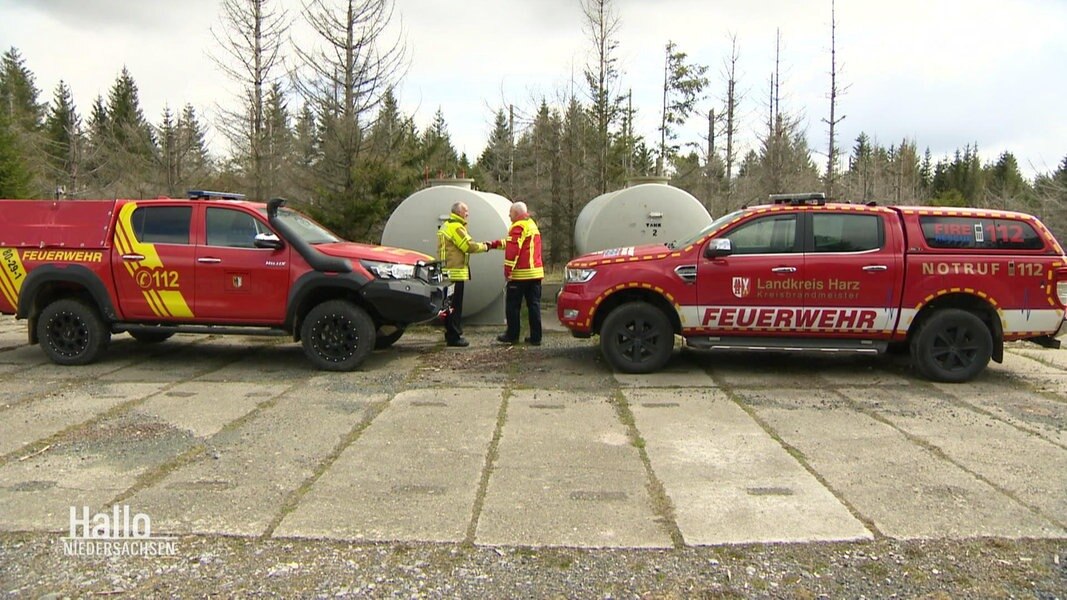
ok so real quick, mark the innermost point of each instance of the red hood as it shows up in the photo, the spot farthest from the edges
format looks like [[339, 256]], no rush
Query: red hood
[[356, 251], [621, 254]]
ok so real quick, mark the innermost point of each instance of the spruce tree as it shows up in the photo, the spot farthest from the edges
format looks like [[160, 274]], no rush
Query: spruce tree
[[64, 142], [15, 177]]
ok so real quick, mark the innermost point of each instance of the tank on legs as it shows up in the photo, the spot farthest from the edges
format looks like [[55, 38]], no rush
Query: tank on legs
[[648, 211], [414, 225]]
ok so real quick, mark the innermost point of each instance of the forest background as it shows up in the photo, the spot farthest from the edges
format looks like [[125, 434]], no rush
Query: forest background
[[321, 125]]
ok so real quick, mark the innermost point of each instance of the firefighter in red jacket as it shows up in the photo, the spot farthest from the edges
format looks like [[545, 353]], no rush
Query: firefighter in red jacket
[[524, 271]]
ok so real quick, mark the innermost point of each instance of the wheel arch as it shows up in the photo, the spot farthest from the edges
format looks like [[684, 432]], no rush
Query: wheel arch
[[48, 283], [983, 308], [636, 292], [314, 288]]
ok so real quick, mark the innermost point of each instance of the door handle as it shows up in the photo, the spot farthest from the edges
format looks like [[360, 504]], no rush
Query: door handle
[[210, 261], [133, 257], [784, 270], [873, 268]]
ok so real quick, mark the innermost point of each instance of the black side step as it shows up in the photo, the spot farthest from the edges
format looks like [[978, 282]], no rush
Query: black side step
[[203, 329], [766, 344], [1045, 341]]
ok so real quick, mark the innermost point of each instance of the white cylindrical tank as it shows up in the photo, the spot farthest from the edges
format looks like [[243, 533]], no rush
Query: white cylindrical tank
[[648, 211], [414, 225]]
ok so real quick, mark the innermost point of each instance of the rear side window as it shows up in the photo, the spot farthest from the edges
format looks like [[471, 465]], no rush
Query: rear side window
[[979, 234], [847, 232], [162, 224]]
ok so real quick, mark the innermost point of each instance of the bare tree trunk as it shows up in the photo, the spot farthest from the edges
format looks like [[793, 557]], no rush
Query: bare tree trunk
[[251, 45], [831, 153], [343, 80], [663, 118], [732, 100], [602, 25]]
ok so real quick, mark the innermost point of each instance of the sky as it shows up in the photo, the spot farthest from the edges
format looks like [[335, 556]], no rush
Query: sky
[[943, 74]]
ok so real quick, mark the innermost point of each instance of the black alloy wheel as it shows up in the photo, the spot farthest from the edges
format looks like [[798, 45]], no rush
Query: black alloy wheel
[[637, 338], [337, 335], [71, 332], [952, 346]]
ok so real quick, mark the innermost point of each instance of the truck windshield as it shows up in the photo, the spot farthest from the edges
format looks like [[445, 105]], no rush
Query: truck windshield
[[308, 230], [716, 225]]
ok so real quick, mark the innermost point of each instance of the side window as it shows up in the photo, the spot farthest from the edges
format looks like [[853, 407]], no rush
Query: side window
[[977, 233], [231, 228], [847, 232], [773, 234], [162, 224]]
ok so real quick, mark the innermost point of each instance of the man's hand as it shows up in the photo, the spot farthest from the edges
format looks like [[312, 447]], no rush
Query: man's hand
[[494, 244]]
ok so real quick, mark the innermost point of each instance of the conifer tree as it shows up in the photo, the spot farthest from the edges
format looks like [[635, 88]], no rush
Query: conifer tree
[[15, 178], [64, 142]]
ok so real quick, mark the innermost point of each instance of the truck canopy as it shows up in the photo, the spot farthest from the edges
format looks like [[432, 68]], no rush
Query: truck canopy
[[80, 224]]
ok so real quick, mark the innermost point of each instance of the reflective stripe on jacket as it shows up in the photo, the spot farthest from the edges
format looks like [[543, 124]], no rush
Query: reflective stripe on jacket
[[454, 247], [522, 252]]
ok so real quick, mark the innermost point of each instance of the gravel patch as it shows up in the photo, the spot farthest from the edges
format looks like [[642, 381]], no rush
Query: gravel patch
[[33, 565]]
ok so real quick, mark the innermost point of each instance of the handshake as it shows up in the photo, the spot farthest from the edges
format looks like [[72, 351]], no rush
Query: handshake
[[494, 244]]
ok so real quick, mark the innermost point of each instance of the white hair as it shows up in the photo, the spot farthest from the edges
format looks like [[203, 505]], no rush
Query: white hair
[[457, 204], [520, 207]]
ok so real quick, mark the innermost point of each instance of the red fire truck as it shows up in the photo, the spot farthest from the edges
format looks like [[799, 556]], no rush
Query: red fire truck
[[802, 274], [82, 270]]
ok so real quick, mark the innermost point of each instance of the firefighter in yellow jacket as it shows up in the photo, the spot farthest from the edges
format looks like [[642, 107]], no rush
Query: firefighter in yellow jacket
[[454, 247]]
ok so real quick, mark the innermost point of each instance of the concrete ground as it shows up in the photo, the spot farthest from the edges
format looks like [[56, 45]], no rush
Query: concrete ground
[[530, 446]]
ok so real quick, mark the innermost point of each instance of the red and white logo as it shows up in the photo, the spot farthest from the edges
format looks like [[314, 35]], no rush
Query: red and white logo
[[742, 286]]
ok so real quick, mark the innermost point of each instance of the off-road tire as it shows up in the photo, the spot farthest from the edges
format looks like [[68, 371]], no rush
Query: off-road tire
[[72, 332], [337, 335], [387, 336], [150, 337], [637, 338], [952, 346]]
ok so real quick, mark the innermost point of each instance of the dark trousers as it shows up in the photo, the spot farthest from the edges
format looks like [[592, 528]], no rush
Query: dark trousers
[[453, 322], [530, 290]]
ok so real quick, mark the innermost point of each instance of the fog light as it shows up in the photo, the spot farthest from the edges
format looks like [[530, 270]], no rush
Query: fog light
[[570, 313]]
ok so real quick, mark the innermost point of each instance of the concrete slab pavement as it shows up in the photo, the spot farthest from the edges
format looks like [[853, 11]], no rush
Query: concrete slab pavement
[[1030, 470], [904, 489], [566, 474], [241, 484], [54, 411], [729, 481], [412, 475]]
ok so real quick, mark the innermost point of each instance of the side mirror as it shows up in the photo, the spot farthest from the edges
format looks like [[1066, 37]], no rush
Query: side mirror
[[718, 248], [268, 240]]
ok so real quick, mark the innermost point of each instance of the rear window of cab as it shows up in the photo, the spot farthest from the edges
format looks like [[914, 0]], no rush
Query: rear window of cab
[[973, 233]]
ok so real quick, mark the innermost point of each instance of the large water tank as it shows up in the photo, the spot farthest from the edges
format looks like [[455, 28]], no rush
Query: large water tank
[[414, 225], [648, 211]]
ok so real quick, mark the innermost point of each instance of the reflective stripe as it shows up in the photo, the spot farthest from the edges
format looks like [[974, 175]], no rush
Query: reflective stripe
[[522, 257]]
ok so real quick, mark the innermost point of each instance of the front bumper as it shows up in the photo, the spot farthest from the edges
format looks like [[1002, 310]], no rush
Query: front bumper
[[406, 301], [574, 308]]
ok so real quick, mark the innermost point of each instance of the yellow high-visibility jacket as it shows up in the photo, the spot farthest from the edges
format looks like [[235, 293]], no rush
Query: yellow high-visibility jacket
[[454, 247]]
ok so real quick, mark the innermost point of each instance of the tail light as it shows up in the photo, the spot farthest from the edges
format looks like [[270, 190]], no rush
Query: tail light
[[1061, 286]]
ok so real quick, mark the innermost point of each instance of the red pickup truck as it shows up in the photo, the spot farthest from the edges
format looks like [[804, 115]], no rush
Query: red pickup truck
[[801, 274], [82, 270]]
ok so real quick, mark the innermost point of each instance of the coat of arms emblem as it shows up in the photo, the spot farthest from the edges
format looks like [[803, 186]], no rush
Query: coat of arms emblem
[[741, 286]]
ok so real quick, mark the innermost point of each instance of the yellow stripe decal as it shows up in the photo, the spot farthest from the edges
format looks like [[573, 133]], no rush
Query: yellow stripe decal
[[164, 303], [175, 303], [12, 274]]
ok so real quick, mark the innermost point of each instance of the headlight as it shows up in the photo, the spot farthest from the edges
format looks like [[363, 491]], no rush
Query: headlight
[[578, 275], [390, 270]]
